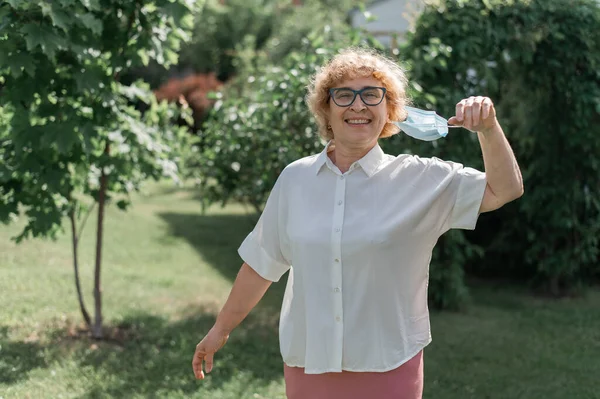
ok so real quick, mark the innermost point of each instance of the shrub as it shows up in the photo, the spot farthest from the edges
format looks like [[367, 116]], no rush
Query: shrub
[[538, 60]]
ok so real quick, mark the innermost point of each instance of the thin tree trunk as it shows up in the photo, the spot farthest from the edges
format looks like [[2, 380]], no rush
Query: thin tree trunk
[[97, 329], [84, 312]]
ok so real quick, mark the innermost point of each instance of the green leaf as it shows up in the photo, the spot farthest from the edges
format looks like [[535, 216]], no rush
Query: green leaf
[[93, 5], [88, 79], [187, 22], [46, 39], [143, 54], [59, 18], [67, 3], [4, 20], [171, 57], [176, 10], [89, 138], [66, 140], [61, 135], [92, 23], [17, 3], [133, 92], [20, 62]]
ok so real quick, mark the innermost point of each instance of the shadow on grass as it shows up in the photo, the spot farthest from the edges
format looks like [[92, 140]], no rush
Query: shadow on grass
[[153, 357], [217, 238], [18, 358], [157, 357]]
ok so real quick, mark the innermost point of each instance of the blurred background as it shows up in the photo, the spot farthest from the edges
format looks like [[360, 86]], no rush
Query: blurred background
[[139, 141]]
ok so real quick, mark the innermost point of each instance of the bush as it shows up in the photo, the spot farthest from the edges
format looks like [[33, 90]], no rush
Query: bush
[[538, 60]]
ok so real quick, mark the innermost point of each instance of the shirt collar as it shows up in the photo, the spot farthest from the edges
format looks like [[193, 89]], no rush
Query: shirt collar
[[369, 163]]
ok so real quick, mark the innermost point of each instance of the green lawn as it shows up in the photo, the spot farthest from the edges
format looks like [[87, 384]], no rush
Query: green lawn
[[168, 268]]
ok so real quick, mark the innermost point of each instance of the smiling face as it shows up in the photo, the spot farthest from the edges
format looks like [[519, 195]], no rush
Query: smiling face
[[358, 125]]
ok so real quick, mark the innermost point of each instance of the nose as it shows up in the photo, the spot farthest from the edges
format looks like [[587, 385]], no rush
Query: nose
[[358, 104]]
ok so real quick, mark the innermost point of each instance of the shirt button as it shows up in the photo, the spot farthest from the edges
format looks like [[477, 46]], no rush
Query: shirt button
[[337, 289], [340, 202], [337, 261], [342, 177], [338, 318], [337, 229]]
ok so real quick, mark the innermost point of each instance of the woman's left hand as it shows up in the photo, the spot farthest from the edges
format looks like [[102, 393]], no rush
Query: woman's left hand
[[476, 114]]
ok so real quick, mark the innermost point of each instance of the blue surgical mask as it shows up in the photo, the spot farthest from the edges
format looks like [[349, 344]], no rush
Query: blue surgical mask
[[424, 125]]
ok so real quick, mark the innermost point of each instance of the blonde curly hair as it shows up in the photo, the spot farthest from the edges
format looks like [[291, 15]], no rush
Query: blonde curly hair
[[355, 63]]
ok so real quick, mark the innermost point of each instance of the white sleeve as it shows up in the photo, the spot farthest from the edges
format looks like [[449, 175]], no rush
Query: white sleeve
[[460, 190], [469, 195], [261, 249]]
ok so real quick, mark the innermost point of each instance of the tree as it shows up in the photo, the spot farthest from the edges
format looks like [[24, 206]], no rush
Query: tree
[[70, 132]]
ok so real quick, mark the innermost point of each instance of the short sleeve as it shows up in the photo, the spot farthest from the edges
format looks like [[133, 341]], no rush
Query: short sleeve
[[261, 249], [469, 195], [460, 193]]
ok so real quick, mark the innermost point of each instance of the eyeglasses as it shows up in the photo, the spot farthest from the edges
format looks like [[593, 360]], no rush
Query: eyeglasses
[[344, 97]]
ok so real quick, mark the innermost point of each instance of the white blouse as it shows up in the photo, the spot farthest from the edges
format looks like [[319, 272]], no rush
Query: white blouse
[[358, 246]]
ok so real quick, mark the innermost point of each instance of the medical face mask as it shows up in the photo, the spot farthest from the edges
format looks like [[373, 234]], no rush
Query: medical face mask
[[424, 125]]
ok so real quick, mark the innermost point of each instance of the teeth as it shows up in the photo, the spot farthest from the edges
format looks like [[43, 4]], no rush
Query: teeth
[[358, 121]]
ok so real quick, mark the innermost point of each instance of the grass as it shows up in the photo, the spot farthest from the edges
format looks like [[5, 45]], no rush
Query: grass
[[167, 270]]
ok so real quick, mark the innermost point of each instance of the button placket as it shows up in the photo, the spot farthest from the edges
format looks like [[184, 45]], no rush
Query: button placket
[[336, 270]]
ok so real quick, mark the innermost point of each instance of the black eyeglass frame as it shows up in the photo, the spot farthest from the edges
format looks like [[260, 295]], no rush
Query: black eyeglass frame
[[357, 92]]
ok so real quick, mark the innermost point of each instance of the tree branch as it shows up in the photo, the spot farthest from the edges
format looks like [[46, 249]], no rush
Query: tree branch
[[85, 218]]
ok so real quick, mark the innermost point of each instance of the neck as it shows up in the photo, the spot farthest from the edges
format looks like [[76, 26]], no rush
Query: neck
[[344, 156]]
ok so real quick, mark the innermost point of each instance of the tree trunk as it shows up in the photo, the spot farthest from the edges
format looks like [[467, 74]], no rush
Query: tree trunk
[[97, 329], [84, 312]]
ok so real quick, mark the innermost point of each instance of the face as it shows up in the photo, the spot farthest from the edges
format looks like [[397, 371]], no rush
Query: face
[[358, 125]]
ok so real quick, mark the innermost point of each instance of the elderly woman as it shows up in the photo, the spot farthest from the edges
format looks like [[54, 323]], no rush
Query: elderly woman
[[356, 228]]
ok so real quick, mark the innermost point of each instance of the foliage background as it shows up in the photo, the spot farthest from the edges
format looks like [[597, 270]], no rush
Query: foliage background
[[536, 59], [539, 61], [69, 84]]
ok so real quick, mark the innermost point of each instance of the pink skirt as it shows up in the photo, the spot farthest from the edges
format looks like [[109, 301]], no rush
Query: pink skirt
[[404, 382]]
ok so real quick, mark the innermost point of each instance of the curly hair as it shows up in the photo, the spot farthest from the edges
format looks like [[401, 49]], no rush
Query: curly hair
[[355, 63]]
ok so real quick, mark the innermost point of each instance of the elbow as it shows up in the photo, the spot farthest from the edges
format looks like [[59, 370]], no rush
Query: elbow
[[510, 195], [515, 194], [520, 190]]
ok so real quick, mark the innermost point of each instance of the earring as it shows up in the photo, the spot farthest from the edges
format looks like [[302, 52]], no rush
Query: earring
[[328, 127]]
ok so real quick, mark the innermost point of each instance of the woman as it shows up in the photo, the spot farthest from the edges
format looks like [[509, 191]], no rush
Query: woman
[[359, 227]]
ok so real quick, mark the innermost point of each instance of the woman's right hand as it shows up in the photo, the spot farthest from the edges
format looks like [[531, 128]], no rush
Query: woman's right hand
[[206, 349]]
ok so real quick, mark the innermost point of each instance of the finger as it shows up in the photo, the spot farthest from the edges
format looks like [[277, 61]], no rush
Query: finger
[[198, 373], [197, 364], [454, 121], [476, 110], [459, 111], [208, 361], [468, 111], [487, 108]]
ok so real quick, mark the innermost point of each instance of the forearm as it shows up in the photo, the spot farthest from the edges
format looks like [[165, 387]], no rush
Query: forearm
[[502, 171], [249, 287]]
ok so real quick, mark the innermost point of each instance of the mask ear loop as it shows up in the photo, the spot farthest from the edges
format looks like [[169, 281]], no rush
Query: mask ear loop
[[430, 124]]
